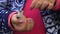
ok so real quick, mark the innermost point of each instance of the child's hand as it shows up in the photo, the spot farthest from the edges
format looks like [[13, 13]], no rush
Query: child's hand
[[22, 24], [42, 4]]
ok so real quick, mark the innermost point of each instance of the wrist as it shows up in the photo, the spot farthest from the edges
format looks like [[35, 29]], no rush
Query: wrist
[[12, 19]]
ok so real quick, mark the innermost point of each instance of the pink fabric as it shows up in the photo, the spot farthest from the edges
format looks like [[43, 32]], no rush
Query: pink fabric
[[57, 6], [9, 18], [36, 16]]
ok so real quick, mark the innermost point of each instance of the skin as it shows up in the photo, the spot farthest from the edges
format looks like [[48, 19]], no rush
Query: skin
[[42, 4], [22, 23]]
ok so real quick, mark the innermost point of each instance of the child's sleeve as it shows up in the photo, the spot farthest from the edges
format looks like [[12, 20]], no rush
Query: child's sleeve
[[57, 5], [5, 16], [3, 4], [16, 5]]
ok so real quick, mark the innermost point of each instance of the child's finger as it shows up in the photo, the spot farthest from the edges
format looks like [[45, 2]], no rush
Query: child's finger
[[50, 6], [52, 1], [39, 3], [33, 4], [30, 24], [44, 5]]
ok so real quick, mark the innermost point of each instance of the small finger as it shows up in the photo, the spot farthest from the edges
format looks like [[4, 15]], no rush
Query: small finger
[[52, 1], [50, 6], [33, 4], [39, 3], [44, 5], [30, 24]]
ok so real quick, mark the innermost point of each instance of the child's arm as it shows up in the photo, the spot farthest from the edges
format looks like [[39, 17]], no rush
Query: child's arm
[[10, 20]]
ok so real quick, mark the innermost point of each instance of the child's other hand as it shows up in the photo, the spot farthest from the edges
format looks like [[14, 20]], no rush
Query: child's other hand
[[42, 4], [22, 24]]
